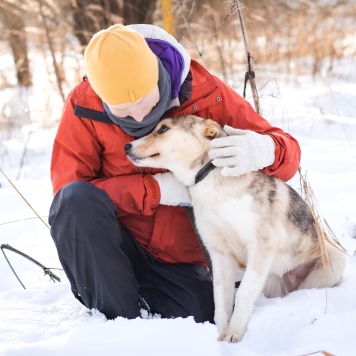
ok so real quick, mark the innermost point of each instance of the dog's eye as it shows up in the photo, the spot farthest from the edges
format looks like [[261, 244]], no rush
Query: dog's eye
[[162, 129]]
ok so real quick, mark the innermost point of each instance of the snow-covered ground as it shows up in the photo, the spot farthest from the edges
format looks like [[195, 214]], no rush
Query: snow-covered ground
[[45, 319]]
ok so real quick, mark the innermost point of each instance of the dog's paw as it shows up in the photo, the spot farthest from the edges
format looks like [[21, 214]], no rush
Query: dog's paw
[[231, 336]]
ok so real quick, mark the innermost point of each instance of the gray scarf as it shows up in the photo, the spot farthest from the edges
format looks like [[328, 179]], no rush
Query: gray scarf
[[139, 129]]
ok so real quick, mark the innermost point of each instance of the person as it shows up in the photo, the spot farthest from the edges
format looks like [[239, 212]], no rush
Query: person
[[122, 233]]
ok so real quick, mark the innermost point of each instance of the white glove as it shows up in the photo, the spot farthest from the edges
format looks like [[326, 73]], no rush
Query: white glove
[[173, 192], [242, 151]]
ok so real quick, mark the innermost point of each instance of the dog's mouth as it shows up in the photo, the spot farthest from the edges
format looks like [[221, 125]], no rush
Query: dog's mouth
[[138, 154], [154, 155], [136, 158]]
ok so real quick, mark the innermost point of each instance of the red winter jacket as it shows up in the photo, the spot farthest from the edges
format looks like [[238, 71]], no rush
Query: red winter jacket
[[90, 150]]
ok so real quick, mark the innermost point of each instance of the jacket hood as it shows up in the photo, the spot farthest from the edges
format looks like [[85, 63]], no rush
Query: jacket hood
[[172, 54]]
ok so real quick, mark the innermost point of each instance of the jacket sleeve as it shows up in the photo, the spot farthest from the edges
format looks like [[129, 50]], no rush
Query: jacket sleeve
[[76, 156], [235, 111]]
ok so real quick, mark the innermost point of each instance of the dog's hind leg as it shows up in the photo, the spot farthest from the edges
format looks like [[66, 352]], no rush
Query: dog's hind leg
[[326, 275], [224, 271], [275, 287], [257, 270]]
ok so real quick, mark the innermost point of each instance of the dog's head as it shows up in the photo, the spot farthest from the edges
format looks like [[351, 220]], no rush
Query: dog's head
[[178, 144]]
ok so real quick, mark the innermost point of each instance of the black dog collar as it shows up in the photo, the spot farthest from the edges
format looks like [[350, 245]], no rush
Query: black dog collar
[[204, 172]]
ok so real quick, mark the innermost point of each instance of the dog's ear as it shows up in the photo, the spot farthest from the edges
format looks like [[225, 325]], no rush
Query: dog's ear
[[212, 129]]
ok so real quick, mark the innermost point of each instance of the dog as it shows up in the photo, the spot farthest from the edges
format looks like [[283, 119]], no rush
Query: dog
[[254, 222]]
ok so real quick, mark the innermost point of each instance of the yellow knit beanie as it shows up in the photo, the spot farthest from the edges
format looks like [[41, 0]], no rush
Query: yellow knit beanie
[[120, 66]]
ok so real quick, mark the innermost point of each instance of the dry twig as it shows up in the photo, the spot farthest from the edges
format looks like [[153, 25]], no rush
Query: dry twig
[[181, 6], [324, 231]]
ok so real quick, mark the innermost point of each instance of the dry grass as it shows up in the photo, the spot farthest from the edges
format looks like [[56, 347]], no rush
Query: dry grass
[[324, 231], [321, 352], [301, 38]]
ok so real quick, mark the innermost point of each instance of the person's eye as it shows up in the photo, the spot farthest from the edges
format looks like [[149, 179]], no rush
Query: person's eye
[[162, 129]]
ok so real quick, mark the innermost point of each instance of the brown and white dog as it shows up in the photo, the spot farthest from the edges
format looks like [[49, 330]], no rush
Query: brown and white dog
[[252, 221]]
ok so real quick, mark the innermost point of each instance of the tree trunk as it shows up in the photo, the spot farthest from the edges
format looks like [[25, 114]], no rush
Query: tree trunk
[[17, 41], [138, 11], [91, 16]]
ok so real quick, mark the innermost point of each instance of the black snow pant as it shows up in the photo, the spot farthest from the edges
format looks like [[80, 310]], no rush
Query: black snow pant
[[107, 268]]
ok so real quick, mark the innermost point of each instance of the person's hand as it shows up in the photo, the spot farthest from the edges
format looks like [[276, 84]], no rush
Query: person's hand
[[173, 192], [241, 151]]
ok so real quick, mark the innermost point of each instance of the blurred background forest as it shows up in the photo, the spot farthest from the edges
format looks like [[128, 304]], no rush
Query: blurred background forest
[[293, 37]]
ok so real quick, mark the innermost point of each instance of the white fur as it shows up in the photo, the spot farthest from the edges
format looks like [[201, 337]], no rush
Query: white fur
[[251, 221]]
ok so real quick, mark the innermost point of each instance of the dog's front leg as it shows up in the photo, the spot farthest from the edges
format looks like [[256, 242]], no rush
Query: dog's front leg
[[224, 270], [257, 270]]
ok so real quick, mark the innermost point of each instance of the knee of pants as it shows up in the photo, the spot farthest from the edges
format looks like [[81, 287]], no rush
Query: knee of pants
[[77, 198]]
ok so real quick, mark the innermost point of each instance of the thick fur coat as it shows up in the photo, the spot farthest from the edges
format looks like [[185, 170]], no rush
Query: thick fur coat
[[254, 222]]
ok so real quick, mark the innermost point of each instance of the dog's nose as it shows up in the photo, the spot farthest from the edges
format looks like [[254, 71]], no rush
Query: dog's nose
[[127, 147]]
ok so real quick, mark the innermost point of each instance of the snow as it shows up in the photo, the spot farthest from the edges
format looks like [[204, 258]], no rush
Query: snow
[[45, 319]]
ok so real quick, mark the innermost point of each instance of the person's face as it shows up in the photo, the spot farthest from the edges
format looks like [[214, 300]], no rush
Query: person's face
[[139, 109]]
